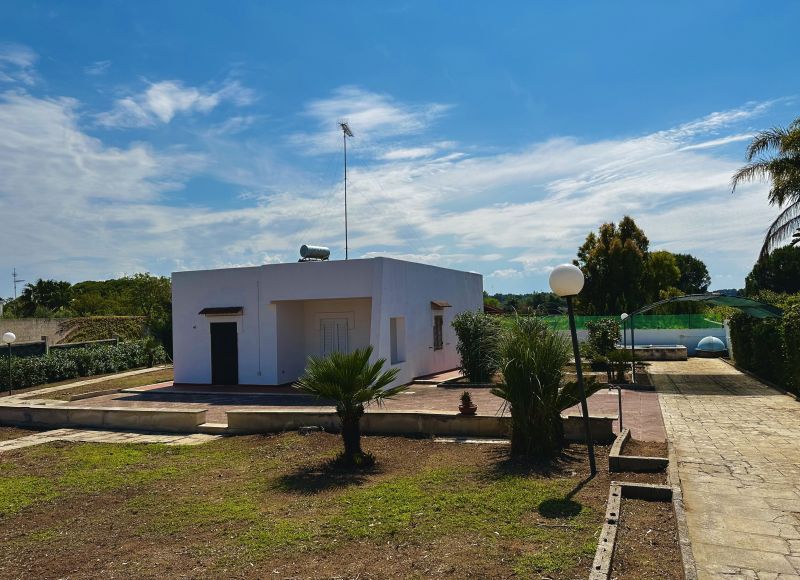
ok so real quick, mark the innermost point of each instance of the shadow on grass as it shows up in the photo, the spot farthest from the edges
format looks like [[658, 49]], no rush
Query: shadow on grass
[[570, 463], [326, 476], [566, 464], [560, 508]]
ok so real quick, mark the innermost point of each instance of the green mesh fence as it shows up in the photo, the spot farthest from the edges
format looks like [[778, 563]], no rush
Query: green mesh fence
[[643, 321]]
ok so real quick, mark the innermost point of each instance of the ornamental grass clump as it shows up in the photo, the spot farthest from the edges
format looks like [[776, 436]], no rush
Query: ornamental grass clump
[[353, 383], [478, 338], [532, 360]]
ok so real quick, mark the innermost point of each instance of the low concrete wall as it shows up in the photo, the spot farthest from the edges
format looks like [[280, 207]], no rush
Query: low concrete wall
[[601, 427], [405, 423], [688, 337], [58, 416]]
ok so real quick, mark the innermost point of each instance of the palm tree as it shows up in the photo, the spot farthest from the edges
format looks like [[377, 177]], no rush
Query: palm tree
[[774, 155], [532, 359], [353, 383]]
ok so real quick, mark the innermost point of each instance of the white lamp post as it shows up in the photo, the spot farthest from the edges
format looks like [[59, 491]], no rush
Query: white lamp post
[[8, 338], [624, 318], [567, 281]]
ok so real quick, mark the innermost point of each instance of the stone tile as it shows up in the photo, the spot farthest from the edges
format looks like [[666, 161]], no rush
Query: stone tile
[[709, 557], [738, 464]]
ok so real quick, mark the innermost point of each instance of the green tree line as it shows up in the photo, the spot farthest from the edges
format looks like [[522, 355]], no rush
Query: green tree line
[[137, 295]]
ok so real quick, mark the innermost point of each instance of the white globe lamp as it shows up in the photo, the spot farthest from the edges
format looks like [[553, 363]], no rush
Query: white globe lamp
[[9, 337], [566, 280]]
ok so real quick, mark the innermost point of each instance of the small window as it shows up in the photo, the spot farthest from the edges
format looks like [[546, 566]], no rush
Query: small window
[[397, 338], [438, 332]]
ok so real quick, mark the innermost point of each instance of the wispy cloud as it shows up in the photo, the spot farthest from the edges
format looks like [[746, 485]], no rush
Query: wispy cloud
[[162, 101], [408, 153], [17, 63], [373, 116], [97, 68]]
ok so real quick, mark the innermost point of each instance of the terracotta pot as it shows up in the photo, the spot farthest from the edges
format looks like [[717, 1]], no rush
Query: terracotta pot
[[470, 410]]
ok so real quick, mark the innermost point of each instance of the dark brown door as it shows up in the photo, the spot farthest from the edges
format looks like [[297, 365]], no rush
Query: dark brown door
[[224, 354]]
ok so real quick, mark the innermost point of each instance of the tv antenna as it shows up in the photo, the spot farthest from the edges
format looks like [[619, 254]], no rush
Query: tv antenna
[[346, 132], [16, 281]]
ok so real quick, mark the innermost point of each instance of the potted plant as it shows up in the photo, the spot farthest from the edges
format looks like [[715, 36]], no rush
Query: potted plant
[[467, 407]]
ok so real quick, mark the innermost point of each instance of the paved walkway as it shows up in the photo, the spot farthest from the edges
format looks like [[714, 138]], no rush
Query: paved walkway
[[94, 436], [737, 444], [24, 395]]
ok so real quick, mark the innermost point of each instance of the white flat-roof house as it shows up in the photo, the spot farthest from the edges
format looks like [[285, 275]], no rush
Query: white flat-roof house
[[258, 325]]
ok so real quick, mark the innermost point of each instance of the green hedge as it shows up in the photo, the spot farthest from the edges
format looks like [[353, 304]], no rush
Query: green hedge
[[65, 364], [770, 348]]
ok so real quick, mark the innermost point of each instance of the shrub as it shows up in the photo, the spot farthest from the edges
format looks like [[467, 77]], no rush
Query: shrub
[[619, 361], [533, 357], [601, 344], [791, 342], [603, 336], [770, 347], [63, 364], [478, 337], [352, 382]]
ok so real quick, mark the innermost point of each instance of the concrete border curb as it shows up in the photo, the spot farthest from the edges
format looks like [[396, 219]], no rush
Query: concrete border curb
[[92, 394], [125, 418], [636, 463], [607, 543]]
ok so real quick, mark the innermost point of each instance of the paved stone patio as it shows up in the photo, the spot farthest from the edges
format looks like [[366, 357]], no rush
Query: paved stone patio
[[96, 436], [737, 444]]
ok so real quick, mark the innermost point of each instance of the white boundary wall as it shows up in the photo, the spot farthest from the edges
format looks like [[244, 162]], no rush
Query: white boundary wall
[[688, 337]]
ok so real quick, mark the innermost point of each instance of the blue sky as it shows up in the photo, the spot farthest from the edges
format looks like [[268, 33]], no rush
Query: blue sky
[[488, 136]]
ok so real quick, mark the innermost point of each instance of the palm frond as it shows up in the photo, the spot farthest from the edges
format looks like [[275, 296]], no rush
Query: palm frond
[[783, 227], [570, 393], [750, 172], [765, 141], [349, 379]]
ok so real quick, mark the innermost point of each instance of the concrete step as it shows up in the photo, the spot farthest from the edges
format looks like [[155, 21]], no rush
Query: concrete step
[[213, 428]]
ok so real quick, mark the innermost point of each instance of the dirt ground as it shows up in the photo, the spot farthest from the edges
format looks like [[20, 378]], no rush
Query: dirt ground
[[647, 542], [7, 433], [275, 506], [645, 448]]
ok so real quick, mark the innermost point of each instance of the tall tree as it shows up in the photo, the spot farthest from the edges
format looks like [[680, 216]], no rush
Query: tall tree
[[694, 277], [45, 296], [774, 155], [779, 272], [662, 275], [151, 296], [614, 262]]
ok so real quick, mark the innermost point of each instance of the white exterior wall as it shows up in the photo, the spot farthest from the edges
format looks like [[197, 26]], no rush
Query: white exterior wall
[[407, 291], [283, 302]]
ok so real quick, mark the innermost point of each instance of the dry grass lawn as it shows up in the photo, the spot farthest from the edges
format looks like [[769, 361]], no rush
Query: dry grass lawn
[[275, 506]]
